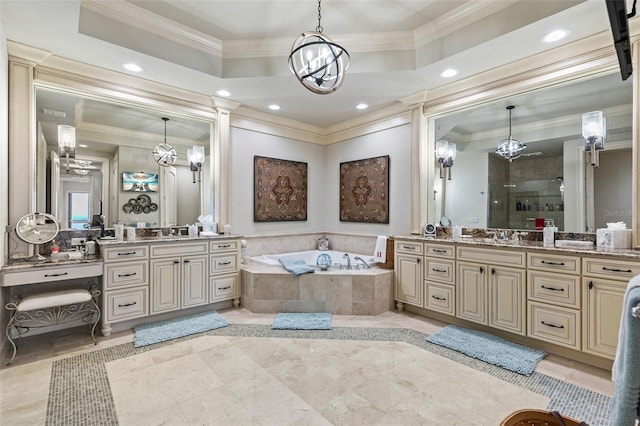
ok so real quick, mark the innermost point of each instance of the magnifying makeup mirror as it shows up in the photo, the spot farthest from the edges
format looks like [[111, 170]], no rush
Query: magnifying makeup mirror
[[37, 228]]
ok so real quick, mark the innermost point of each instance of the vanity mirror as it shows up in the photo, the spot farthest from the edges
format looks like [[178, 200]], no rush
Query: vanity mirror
[[553, 179], [115, 140]]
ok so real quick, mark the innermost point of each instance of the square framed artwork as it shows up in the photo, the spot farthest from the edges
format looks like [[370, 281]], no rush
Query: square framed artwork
[[280, 190], [364, 190]]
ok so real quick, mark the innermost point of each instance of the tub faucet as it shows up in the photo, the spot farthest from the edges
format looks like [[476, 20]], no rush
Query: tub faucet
[[346, 256], [366, 265]]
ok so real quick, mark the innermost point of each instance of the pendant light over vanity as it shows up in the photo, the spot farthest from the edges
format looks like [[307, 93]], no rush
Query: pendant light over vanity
[[510, 148]]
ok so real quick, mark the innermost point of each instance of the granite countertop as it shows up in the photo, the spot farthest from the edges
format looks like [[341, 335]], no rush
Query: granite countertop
[[630, 254], [146, 240], [17, 265]]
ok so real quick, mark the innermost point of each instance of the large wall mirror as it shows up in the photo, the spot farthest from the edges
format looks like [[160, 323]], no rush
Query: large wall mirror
[[112, 170], [553, 179]]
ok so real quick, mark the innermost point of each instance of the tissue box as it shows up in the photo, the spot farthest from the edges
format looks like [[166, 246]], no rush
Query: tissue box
[[613, 238]]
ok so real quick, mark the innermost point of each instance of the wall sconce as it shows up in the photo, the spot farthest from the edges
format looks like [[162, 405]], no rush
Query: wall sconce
[[594, 132], [195, 155], [67, 142], [445, 154]]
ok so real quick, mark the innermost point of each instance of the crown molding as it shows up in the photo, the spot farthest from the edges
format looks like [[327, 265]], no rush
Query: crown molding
[[579, 59], [457, 19], [137, 17], [19, 51]]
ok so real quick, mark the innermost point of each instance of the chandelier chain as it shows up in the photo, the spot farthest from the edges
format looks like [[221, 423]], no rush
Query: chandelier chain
[[319, 27]]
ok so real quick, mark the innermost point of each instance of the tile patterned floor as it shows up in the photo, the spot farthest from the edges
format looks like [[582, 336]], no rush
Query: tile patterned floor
[[29, 396]]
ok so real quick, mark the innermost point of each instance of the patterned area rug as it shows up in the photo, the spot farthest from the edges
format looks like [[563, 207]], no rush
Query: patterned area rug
[[79, 392], [302, 321], [155, 332], [489, 348]]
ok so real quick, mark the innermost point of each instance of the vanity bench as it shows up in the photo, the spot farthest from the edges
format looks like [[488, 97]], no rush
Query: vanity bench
[[49, 293]]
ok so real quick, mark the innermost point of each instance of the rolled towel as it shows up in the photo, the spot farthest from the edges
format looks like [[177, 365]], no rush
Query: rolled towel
[[380, 252]]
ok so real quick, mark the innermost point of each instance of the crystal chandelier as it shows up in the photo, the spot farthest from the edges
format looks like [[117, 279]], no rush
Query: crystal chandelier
[[318, 62], [510, 148]]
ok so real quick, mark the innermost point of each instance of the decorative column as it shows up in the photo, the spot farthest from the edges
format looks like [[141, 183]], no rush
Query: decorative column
[[222, 161]]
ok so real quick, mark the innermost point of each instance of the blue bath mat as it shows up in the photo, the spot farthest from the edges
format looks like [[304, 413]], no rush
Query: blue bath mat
[[155, 332], [302, 321], [489, 348]]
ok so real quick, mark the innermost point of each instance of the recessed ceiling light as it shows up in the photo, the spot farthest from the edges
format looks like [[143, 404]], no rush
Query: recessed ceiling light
[[82, 145], [130, 66], [556, 35], [449, 72], [362, 106], [274, 107], [223, 92]]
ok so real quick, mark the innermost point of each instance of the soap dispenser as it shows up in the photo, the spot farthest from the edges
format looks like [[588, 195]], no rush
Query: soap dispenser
[[323, 244]]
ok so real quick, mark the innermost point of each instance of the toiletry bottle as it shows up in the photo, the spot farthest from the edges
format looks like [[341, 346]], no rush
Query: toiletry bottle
[[518, 206], [54, 247]]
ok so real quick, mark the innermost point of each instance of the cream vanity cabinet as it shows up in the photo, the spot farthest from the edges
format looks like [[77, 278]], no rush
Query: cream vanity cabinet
[[553, 298], [125, 284], [439, 278], [604, 282], [490, 287], [178, 275], [224, 264], [408, 269]]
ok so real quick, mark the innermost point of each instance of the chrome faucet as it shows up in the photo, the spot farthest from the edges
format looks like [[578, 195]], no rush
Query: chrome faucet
[[158, 233], [366, 265], [346, 256], [504, 235], [495, 235]]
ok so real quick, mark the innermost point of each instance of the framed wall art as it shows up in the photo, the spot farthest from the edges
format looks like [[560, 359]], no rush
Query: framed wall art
[[280, 190], [364, 190], [139, 182]]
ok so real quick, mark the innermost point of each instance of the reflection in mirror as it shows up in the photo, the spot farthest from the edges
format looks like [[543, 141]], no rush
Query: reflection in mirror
[[112, 140], [553, 179]]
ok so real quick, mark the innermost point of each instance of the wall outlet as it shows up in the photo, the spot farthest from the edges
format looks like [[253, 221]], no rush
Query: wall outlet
[[78, 241]]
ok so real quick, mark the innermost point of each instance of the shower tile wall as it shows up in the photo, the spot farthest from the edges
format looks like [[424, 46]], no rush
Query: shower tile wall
[[531, 183]]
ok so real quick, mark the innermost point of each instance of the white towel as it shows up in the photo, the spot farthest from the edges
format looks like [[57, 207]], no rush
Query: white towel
[[615, 371], [380, 252]]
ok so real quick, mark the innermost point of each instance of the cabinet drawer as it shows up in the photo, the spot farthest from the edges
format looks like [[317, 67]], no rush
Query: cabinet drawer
[[221, 263], [118, 254], [439, 270], [554, 324], [546, 262], [492, 256], [612, 269], [50, 274], [441, 297], [126, 274], [408, 247], [126, 304], [163, 250], [439, 250], [223, 287], [555, 288], [224, 245]]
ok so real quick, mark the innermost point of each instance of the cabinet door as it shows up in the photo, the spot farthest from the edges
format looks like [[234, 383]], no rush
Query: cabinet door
[[165, 285], [506, 299], [471, 292], [194, 280], [408, 287], [601, 313]]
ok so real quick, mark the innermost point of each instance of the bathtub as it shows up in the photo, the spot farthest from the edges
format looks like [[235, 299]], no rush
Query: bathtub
[[310, 257], [268, 288]]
